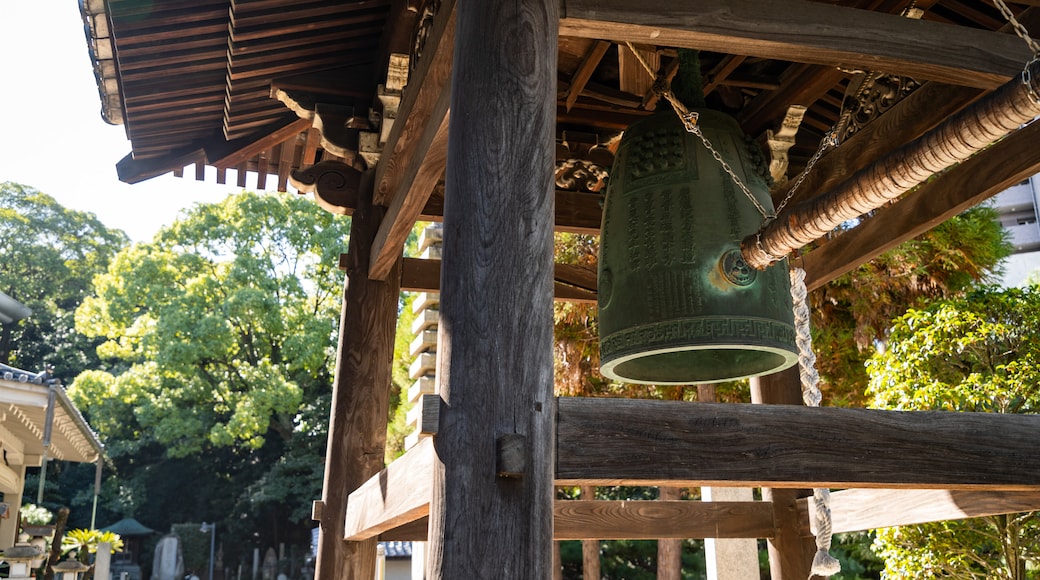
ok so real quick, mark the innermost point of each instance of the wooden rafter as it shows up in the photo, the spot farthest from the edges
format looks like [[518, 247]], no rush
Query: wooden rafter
[[416, 150], [584, 72], [809, 32]]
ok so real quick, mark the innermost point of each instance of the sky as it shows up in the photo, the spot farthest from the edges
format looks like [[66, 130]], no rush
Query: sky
[[52, 136]]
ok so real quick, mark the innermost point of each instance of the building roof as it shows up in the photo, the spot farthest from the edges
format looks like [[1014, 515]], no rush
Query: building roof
[[11, 310], [23, 406], [129, 527], [239, 84]]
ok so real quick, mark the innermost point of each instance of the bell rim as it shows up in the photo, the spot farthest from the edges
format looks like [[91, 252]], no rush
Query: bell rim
[[789, 359]]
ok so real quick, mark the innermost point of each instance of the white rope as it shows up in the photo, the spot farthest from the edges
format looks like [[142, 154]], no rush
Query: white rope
[[823, 563]]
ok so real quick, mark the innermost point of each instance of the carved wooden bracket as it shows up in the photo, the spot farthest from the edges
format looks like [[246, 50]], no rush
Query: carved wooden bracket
[[781, 141], [334, 185]]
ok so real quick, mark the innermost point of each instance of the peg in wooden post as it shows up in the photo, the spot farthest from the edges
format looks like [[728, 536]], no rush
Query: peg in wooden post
[[511, 455]]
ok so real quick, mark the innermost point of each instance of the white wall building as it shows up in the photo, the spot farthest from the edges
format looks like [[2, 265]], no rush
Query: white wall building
[[1017, 207]]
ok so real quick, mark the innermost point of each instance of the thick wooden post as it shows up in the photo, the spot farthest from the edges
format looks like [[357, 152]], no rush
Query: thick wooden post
[[590, 567], [360, 398], [790, 554], [491, 508], [669, 551]]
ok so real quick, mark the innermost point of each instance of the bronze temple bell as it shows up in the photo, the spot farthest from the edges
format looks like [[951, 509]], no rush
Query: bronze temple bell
[[677, 302]]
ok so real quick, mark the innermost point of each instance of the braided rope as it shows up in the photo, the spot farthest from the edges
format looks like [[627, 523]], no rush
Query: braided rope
[[823, 563]]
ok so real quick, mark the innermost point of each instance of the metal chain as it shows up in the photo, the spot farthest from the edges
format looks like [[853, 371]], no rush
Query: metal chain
[[830, 140], [1019, 29], [689, 120]]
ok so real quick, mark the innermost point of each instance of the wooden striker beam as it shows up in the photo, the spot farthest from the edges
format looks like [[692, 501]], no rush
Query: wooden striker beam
[[677, 443]]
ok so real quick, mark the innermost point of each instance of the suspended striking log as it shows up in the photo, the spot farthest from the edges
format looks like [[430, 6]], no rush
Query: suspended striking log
[[960, 137]]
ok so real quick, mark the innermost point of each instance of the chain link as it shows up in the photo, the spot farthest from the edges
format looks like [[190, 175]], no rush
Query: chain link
[[1019, 29], [689, 120]]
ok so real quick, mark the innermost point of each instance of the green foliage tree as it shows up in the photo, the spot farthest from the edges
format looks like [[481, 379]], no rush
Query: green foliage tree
[[977, 353], [222, 333], [853, 312], [49, 255]]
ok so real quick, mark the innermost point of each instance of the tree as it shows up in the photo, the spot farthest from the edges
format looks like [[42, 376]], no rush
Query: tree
[[977, 353], [49, 254], [854, 312], [222, 331]]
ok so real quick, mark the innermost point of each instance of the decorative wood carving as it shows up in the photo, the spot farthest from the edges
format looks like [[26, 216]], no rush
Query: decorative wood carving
[[333, 184], [874, 95], [424, 25], [582, 166], [781, 142], [339, 129]]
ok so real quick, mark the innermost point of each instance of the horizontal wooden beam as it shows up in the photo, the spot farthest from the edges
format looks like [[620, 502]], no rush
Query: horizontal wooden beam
[[395, 503], [702, 444], [572, 283], [809, 32], [638, 520], [398, 495], [1009, 161], [228, 154], [854, 510], [650, 520]]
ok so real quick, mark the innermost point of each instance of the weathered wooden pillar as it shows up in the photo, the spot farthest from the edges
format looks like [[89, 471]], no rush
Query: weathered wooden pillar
[[669, 551], [590, 567], [360, 396], [729, 558], [491, 509], [790, 554]]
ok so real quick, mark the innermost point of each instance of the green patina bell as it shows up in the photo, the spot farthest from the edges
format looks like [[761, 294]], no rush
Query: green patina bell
[[677, 302]]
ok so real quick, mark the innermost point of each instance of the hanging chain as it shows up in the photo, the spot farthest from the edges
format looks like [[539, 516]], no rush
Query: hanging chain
[[1019, 29], [829, 141], [689, 119], [1027, 76]]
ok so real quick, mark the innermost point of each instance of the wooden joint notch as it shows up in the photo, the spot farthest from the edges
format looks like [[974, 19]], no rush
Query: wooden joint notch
[[511, 455]]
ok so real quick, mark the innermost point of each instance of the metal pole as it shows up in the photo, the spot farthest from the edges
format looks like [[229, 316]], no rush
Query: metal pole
[[212, 528], [48, 422], [97, 492]]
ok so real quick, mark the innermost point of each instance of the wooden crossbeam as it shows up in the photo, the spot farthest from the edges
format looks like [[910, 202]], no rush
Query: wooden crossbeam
[[398, 495], [808, 32], [991, 171], [414, 155], [854, 510], [703, 444], [395, 503], [572, 283], [674, 443], [651, 520]]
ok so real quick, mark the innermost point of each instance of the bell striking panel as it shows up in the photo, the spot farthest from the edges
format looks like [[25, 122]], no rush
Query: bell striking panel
[[677, 302]]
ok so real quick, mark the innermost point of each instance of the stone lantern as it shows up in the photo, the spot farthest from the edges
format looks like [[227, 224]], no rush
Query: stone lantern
[[70, 569], [19, 557]]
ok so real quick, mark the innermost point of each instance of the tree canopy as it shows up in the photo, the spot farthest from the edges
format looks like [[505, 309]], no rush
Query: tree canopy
[[50, 255], [221, 335], [975, 353]]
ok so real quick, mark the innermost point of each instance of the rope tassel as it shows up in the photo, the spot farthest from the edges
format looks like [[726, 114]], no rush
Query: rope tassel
[[823, 563]]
